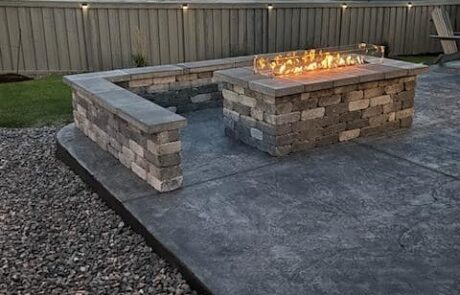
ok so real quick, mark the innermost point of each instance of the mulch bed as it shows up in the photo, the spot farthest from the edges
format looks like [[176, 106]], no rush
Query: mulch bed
[[11, 77]]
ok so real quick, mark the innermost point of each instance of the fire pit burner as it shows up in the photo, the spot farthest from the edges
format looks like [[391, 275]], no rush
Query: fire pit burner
[[280, 109], [298, 62]]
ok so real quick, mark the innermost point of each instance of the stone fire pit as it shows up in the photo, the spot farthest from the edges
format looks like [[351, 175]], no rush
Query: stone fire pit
[[133, 113], [280, 115]]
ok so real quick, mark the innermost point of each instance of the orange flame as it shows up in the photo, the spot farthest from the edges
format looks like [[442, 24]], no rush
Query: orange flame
[[295, 63]]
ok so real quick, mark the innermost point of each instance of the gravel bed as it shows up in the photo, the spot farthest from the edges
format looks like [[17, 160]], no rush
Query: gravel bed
[[58, 237]]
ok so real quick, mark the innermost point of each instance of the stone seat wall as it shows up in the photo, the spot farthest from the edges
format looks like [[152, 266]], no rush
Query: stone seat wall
[[144, 135]]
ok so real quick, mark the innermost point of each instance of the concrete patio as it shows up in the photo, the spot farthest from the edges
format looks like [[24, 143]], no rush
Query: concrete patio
[[374, 216]]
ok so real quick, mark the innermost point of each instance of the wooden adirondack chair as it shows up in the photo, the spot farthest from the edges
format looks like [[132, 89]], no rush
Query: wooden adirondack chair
[[446, 35]]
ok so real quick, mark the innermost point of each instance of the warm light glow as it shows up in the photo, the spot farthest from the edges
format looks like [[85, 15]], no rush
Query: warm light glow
[[409, 5], [185, 6], [295, 63], [84, 5], [270, 6], [344, 5]]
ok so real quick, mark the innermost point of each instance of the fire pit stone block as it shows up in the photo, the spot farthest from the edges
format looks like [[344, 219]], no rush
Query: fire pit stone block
[[289, 114]]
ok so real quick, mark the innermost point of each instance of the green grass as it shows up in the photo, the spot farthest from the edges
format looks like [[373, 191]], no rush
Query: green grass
[[425, 59], [40, 102]]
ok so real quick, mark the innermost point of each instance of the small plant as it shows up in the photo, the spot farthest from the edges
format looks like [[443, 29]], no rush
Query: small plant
[[139, 60], [139, 57]]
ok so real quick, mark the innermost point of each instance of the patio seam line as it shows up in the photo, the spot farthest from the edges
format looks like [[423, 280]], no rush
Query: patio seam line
[[407, 160], [211, 179]]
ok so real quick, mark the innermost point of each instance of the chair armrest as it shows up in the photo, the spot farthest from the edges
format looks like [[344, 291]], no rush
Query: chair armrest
[[445, 37]]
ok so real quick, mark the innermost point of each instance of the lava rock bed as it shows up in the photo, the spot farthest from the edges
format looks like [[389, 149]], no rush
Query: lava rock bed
[[58, 237]]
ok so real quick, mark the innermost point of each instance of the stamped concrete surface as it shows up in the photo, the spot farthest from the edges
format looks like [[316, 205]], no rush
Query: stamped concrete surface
[[375, 216]]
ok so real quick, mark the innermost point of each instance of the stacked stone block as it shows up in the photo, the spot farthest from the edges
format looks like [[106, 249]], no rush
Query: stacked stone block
[[154, 157], [284, 124], [180, 93]]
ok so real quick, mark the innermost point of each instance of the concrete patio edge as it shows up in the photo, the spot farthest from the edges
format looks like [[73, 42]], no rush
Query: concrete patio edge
[[78, 164]]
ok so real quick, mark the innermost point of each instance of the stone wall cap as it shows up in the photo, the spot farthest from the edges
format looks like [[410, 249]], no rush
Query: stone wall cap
[[276, 86], [153, 71], [150, 117], [238, 76], [112, 76]]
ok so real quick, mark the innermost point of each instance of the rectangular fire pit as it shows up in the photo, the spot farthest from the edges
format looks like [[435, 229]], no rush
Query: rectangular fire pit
[[289, 113]]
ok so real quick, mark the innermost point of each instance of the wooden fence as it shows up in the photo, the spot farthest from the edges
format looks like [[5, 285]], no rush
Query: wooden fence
[[44, 37]]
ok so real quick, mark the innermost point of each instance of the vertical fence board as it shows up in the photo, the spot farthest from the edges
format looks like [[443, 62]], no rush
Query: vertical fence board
[[250, 31], [226, 33], [217, 25], [50, 40], [5, 45], [36, 19], [258, 31], [189, 35], [28, 43], [200, 34], [271, 30], [279, 30], [115, 44], [242, 28], [72, 36]]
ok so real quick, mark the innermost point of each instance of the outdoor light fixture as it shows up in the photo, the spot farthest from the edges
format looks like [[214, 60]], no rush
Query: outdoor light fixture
[[84, 5], [270, 6], [185, 6], [344, 5], [409, 5]]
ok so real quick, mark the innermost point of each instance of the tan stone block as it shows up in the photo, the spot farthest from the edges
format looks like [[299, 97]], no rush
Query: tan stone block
[[230, 95], [368, 85], [355, 95], [238, 89], [257, 114], [305, 96], [158, 88], [231, 114], [380, 100], [404, 113], [282, 119], [283, 108], [345, 89], [247, 101], [165, 186], [313, 113], [163, 149], [164, 80], [349, 134], [378, 120], [136, 148], [140, 83], [329, 100], [373, 92], [394, 88], [166, 136], [200, 82], [321, 93], [185, 77], [372, 111], [165, 173], [391, 116], [406, 122], [205, 75], [139, 171], [358, 105], [409, 85]]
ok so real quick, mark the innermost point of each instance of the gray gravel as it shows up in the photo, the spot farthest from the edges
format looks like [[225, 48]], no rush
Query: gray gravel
[[57, 237]]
